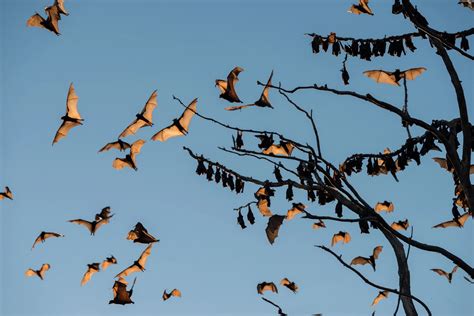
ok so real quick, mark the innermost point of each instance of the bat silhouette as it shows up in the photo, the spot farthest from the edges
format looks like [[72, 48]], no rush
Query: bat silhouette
[[448, 167], [290, 285], [455, 222], [51, 22], [382, 76], [121, 295], [262, 206], [72, 117], [144, 118], [400, 225], [362, 7], [319, 224], [296, 209], [266, 286], [174, 292], [43, 236], [119, 144], [240, 220], [140, 234], [138, 265], [448, 276], [265, 141], [227, 88], [370, 260], [91, 269], [384, 206], [263, 102], [382, 295], [104, 214], [93, 226], [344, 237], [273, 226], [129, 160], [283, 149], [250, 216], [7, 194], [180, 127], [108, 261], [40, 273]]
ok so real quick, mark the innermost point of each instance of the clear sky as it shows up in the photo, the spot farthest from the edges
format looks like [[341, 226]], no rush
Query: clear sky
[[117, 53]]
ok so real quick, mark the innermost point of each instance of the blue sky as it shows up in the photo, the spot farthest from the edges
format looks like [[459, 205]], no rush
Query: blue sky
[[117, 53]]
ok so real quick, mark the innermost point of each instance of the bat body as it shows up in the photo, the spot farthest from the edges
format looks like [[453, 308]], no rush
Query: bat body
[[174, 292], [144, 118], [296, 209], [227, 88], [140, 235], [361, 8], [91, 226], [370, 260], [250, 216], [393, 78], [265, 141], [382, 295], [341, 236], [384, 206], [119, 144], [240, 220], [284, 149], [43, 236], [290, 285], [72, 117], [104, 214], [108, 261], [40, 273], [138, 265], [319, 224], [273, 227], [180, 126], [400, 225], [91, 269], [121, 295], [266, 286], [129, 160], [263, 101], [448, 276], [7, 194], [455, 222]]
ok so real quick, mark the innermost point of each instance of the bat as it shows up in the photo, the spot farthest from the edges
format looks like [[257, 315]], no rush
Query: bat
[[144, 118], [345, 75], [138, 265], [319, 225], [108, 261], [72, 117], [40, 273], [180, 127], [284, 149], [93, 226], [227, 88], [290, 285], [129, 160], [448, 167], [263, 102], [265, 141], [240, 220], [7, 194], [51, 22], [262, 206], [43, 236], [380, 296], [382, 76], [266, 286], [296, 209], [250, 216], [400, 225], [273, 226], [174, 292], [121, 295], [344, 237], [467, 3], [362, 7], [455, 222], [384, 206], [448, 276], [119, 144], [371, 260], [91, 269], [139, 234], [104, 214]]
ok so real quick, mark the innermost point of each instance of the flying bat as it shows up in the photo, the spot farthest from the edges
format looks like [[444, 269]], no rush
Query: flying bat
[[180, 127], [400, 225], [91, 269], [296, 209], [138, 265], [283, 149], [448, 276], [266, 286], [119, 144], [384, 206], [91, 226], [108, 261], [382, 76], [227, 88], [291, 285], [263, 102], [43, 236], [40, 273], [455, 222], [129, 160], [144, 118], [344, 237], [444, 164], [371, 260], [362, 7], [121, 295], [380, 296], [7, 194], [175, 292], [140, 234], [319, 224], [72, 117], [273, 226], [104, 214], [51, 22], [262, 206]]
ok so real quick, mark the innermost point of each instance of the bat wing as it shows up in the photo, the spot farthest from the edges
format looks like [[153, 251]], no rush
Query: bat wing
[[380, 297], [381, 76], [87, 276], [454, 270], [37, 240], [45, 267], [102, 222], [273, 227], [150, 105], [30, 272], [266, 90], [53, 17], [105, 264], [60, 4], [384, 206], [232, 79], [463, 218], [336, 238], [237, 107], [120, 163], [137, 147], [36, 20], [451, 223], [109, 146], [144, 256], [131, 269], [360, 260], [319, 224], [377, 251], [262, 206], [347, 238], [441, 272], [71, 103], [275, 150], [49, 235], [176, 293], [285, 282], [292, 213], [221, 85], [188, 114], [64, 130], [167, 132], [82, 222], [441, 162], [133, 128], [411, 74]]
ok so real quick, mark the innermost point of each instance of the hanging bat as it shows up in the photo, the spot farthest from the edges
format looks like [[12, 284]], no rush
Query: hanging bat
[[455, 222], [266, 286], [91, 226], [262, 206], [400, 225], [129, 160], [380, 296], [140, 234], [104, 214], [362, 7], [250, 216], [263, 102], [51, 22], [175, 292], [265, 141], [284, 149], [345, 74], [91, 269], [180, 127], [319, 225], [43, 236], [121, 295], [371, 260], [7, 194], [448, 276], [72, 117], [40, 273], [444, 164], [144, 118], [291, 285], [273, 226], [296, 209], [344, 237], [119, 144], [227, 88], [382, 76], [108, 261], [384, 206], [240, 220], [138, 265]]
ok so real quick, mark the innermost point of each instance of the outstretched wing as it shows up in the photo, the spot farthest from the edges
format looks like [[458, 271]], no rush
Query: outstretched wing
[[82, 222], [120, 163], [53, 17], [264, 97], [36, 20], [109, 146], [380, 297], [176, 293], [71, 103], [360, 260], [102, 222], [221, 85], [273, 227], [167, 132], [144, 256], [30, 272], [150, 105], [45, 267], [131, 269], [232, 79], [37, 240], [412, 73], [377, 251], [441, 272], [133, 128], [381, 76], [441, 162], [336, 238], [64, 130], [87, 276], [451, 223], [238, 107], [136, 147], [60, 4], [187, 115]]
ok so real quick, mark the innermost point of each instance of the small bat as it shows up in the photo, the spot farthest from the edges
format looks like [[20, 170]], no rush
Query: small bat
[[121, 295], [108, 261], [284, 149], [273, 226], [180, 127], [382, 76], [40, 273], [91, 269], [119, 144], [250, 216], [448, 276], [290, 285], [263, 102], [400, 225], [54, 15], [384, 206], [361, 8], [7, 194], [43, 236], [138, 265], [444, 164], [144, 118], [380, 296], [174, 292], [371, 260], [104, 214], [455, 222], [266, 286], [319, 224], [93, 226], [265, 141], [262, 206], [129, 160], [72, 117], [139, 234], [296, 209], [344, 237], [227, 88], [240, 220]]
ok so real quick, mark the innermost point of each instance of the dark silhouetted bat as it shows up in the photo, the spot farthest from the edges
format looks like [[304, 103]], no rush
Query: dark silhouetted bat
[[121, 295], [240, 220], [144, 118], [361, 8], [180, 127], [262, 206], [72, 117], [129, 160], [380, 296], [344, 237], [400, 225], [91, 269], [290, 285], [284, 149], [382, 76], [104, 214], [227, 88], [175, 292], [119, 144], [91, 226], [448, 276], [140, 234], [263, 102], [7, 194], [40, 273], [384, 206], [319, 224], [250, 216], [455, 222], [273, 226], [444, 164], [265, 286], [265, 141], [54, 15], [43, 236], [294, 210], [138, 265], [371, 260], [108, 261]]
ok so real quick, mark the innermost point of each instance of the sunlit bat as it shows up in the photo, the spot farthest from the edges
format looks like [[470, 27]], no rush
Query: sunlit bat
[[54, 15], [283, 149], [227, 88], [104, 214], [129, 160], [93, 226], [344, 237], [370, 260], [139, 234], [180, 127], [273, 226], [266, 286], [455, 222], [262, 206], [290, 285], [382, 76], [297, 208], [384, 206], [144, 118], [60, 5], [72, 117], [448, 276], [40, 273], [91, 269], [400, 225], [138, 265], [119, 144], [43, 236], [263, 102], [7, 194], [382, 295], [442, 162], [319, 224], [174, 292], [362, 7], [108, 261], [121, 295]]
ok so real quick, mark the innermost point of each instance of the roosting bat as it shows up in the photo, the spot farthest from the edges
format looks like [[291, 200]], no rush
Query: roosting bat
[[400, 225], [175, 292], [340, 236], [119, 144], [384, 206], [144, 118], [121, 295], [455, 222], [240, 220], [91, 269], [140, 234], [319, 224], [284, 149], [361, 8], [40, 273], [296, 209], [108, 261], [291, 285], [43, 236], [265, 286], [180, 127], [93, 226], [273, 226], [138, 265], [448, 276], [227, 88], [371, 260], [54, 15], [380, 296], [262, 206], [7, 194], [72, 117], [129, 160], [250, 216], [382, 76], [263, 102]]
